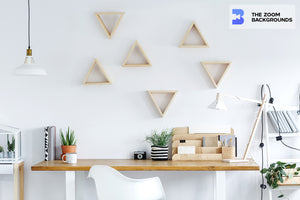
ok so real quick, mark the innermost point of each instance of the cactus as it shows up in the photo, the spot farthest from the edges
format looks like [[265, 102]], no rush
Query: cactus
[[1, 149]]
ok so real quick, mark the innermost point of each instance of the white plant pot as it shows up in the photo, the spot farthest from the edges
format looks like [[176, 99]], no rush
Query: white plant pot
[[1, 155]]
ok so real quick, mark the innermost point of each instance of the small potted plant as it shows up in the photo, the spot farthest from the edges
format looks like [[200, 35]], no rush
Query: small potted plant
[[160, 144], [1, 152], [11, 147], [68, 141], [278, 172]]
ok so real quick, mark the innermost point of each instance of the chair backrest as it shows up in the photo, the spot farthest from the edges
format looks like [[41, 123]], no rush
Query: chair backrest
[[112, 185]]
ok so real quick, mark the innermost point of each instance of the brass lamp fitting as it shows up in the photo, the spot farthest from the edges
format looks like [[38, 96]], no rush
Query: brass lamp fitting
[[29, 52]]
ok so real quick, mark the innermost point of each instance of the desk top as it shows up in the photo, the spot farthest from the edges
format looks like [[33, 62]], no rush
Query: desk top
[[145, 165]]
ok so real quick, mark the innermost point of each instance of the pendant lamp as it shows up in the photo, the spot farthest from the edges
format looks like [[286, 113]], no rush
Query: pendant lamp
[[30, 67]]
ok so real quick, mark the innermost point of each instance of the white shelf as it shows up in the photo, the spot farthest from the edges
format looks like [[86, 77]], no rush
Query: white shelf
[[285, 160], [285, 134], [293, 187]]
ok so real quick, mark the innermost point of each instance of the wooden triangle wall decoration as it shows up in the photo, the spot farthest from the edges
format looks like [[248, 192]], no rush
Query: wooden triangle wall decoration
[[216, 71], [162, 111], [105, 28], [137, 46], [202, 42], [96, 64]]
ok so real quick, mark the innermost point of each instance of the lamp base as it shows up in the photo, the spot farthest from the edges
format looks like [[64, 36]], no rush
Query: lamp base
[[237, 160]]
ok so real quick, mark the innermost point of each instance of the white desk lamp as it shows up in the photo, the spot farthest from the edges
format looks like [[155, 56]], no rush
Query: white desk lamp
[[220, 105]]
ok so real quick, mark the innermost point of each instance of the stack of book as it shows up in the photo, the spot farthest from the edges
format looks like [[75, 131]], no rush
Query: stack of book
[[283, 121]]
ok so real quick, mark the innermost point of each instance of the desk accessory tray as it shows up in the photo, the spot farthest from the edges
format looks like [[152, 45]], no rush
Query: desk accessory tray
[[212, 151]]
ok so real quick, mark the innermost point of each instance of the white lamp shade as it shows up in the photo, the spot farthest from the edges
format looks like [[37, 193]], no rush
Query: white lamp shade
[[218, 103], [29, 68]]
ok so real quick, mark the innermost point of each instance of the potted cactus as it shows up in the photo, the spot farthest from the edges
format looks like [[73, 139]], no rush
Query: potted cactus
[[160, 144], [1, 152], [68, 141], [11, 147]]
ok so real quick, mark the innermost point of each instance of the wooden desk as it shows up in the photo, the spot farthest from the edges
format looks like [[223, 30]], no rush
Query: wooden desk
[[218, 167]]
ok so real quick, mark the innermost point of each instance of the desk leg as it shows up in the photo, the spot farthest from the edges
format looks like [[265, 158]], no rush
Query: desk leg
[[220, 185], [19, 181], [70, 185]]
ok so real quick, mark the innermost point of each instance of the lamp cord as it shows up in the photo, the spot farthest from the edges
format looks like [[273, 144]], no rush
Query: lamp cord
[[28, 6], [298, 112], [261, 145], [262, 186]]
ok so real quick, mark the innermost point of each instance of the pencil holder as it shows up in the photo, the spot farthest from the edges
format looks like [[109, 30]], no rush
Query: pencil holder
[[228, 152]]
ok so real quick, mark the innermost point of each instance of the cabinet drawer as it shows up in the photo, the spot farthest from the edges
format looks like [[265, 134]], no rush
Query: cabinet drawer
[[6, 169]]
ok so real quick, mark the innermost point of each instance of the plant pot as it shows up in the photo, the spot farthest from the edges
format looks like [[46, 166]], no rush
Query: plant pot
[[159, 152], [68, 149], [11, 154], [1, 155]]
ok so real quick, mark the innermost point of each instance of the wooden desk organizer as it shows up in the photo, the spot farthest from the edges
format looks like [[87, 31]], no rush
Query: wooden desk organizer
[[182, 137]]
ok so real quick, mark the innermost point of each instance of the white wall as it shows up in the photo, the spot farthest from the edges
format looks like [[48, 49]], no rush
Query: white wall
[[66, 37]]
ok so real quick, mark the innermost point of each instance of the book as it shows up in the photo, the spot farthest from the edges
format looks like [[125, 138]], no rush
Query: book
[[50, 143], [293, 120], [235, 146], [227, 140], [285, 119], [289, 121], [279, 121], [273, 121], [46, 143], [285, 123]]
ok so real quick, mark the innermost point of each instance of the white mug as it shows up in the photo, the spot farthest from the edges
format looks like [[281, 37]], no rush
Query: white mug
[[70, 158]]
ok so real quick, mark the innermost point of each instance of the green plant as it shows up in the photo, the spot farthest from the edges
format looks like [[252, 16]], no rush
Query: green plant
[[1, 149], [160, 139], [69, 138], [11, 145], [275, 173]]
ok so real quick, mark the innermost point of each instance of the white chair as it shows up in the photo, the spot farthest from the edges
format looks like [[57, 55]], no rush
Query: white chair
[[112, 185]]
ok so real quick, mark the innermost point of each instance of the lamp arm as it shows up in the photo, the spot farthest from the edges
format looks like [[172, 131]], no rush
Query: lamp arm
[[255, 127], [240, 98], [260, 102]]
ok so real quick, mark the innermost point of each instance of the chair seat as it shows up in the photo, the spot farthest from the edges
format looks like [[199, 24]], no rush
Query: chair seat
[[112, 185]]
